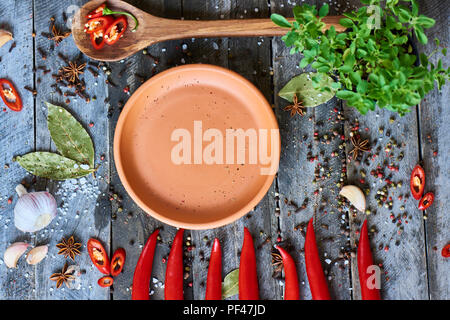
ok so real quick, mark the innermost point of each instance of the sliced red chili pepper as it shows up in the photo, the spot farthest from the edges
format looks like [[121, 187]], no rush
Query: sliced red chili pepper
[[248, 280], [214, 280], [143, 271], [365, 260], [98, 256], [426, 201], [446, 251], [292, 289], [115, 31], [10, 96], [96, 24], [98, 39], [316, 277], [173, 289], [106, 281], [97, 12], [417, 182], [117, 261]]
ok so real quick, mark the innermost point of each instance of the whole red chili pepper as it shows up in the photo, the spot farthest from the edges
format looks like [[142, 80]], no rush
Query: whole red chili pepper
[[117, 261], [115, 30], [143, 271], [446, 251], [417, 182], [98, 256], [364, 262], [292, 290], [316, 277], [214, 280], [10, 96], [106, 281], [426, 201], [173, 289], [248, 280]]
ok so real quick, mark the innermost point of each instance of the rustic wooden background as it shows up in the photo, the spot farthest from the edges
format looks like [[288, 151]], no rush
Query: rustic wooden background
[[412, 264]]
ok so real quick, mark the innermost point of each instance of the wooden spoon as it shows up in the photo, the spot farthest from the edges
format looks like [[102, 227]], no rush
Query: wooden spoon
[[153, 29]]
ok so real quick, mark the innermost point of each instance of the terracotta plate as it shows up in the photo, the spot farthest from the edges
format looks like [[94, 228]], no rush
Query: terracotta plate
[[173, 153]]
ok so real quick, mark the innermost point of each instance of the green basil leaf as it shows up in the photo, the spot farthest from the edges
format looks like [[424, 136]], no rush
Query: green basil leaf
[[279, 20], [53, 166], [345, 22], [324, 10], [230, 285], [69, 136], [420, 35], [309, 94], [425, 22], [345, 94]]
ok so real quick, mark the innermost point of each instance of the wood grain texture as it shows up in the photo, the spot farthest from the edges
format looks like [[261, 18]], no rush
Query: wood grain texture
[[435, 146]]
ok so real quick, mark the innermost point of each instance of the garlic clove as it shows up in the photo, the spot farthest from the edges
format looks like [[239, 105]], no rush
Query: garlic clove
[[355, 196], [33, 211], [37, 254], [5, 36], [13, 253]]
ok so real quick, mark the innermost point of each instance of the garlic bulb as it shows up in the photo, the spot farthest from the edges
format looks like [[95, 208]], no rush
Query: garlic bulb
[[37, 254], [34, 210], [355, 196], [13, 253]]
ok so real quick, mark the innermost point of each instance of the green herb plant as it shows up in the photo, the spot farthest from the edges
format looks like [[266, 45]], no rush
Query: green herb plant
[[370, 65]]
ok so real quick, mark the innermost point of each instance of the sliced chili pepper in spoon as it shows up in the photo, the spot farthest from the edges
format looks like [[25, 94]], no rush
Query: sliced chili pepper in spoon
[[97, 12], [143, 271], [214, 280], [115, 31], [98, 39], [292, 289], [417, 182], [365, 260], [248, 280], [117, 262], [173, 289], [10, 96], [98, 256], [97, 24], [316, 277], [426, 201], [106, 281]]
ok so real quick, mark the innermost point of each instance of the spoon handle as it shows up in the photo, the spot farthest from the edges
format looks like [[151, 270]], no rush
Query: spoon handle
[[235, 28]]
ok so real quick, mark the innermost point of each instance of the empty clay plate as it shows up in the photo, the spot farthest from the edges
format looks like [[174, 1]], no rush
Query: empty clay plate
[[173, 153]]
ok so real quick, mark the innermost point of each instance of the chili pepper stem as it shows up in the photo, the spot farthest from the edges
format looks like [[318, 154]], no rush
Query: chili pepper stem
[[107, 11]]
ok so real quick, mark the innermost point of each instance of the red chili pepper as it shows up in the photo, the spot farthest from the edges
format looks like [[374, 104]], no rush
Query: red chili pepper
[[100, 23], [116, 30], [365, 260], [10, 96], [98, 255], [446, 251], [248, 280], [426, 201], [106, 281], [98, 39], [117, 262], [214, 280], [143, 271], [417, 182], [292, 289], [97, 12], [173, 289], [316, 277]]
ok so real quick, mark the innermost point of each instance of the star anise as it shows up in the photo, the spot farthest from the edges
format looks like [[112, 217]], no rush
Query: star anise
[[296, 108], [69, 248], [277, 262], [58, 35], [359, 146], [62, 277], [73, 71]]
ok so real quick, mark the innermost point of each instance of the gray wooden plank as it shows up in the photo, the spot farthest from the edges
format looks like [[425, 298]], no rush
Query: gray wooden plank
[[84, 211], [16, 138], [435, 146], [310, 182]]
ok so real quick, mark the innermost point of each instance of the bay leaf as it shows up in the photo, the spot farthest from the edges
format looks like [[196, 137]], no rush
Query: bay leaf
[[230, 285], [53, 166], [310, 96], [69, 136]]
